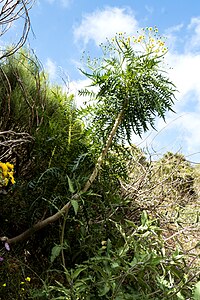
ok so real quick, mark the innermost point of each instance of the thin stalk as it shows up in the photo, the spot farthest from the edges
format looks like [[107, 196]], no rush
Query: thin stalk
[[103, 153], [62, 240]]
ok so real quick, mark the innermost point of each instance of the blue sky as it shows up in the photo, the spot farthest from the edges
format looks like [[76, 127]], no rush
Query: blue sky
[[63, 29]]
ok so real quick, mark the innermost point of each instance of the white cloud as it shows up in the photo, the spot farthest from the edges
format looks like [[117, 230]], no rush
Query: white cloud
[[102, 24], [64, 3], [75, 86], [172, 36], [186, 127], [191, 124], [185, 63], [51, 69], [193, 43], [185, 75]]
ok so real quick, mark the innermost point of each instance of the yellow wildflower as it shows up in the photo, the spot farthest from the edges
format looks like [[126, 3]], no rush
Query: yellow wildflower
[[4, 169], [28, 279], [12, 180], [5, 173], [164, 50], [6, 180], [161, 44], [10, 166]]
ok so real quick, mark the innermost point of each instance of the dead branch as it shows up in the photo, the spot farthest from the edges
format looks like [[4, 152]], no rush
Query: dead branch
[[10, 12]]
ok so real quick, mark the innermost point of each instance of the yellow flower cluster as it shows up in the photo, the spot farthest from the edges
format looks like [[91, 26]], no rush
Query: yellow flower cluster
[[149, 40], [6, 173]]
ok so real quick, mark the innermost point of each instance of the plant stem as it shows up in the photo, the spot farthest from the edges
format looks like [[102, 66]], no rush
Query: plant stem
[[103, 153]]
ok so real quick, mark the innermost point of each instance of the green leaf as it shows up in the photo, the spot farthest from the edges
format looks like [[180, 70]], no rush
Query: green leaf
[[75, 206], [197, 291], [71, 188], [144, 218], [55, 252], [77, 272], [131, 223], [156, 260], [114, 265], [105, 290], [180, 296]]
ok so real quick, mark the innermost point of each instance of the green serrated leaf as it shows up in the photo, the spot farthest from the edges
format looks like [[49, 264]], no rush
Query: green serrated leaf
[[131, 223], [55, 252], [105, 290], [180, 296], [144, 218], [75, 206], [156, 260], [77, 272], [71, 188]]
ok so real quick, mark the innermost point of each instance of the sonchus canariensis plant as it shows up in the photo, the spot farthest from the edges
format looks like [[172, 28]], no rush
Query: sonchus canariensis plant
[[133, 89]]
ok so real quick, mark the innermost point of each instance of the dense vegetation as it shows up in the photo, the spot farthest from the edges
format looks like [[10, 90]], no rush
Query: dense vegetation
[[127, 226]]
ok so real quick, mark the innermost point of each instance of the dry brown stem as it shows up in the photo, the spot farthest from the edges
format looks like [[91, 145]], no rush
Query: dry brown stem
[[10, 12]]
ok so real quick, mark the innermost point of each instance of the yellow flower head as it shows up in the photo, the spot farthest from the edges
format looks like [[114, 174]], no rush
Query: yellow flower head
[[3, 167], [6, 180], [12, 179], [7, 172], [10, 166], [28, 279]]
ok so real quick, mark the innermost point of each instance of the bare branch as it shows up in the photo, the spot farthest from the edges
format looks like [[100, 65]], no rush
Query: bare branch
[[10, 141], [10, 12]]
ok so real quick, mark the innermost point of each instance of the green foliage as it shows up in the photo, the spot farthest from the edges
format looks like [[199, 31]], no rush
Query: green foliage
[[55, 252], [44, 164], [121, 238], [22, 96], [139, 267], [176, 169], [29, 104], [129, 82], [197, 291]]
